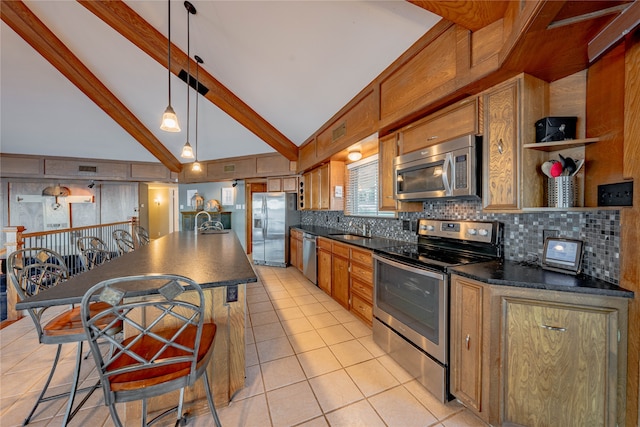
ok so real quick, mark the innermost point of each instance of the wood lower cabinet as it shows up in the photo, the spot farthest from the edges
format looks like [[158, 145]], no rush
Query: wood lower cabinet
[[560, 365], [324, 264], [295, 248], [526, 357], [340, 275], [361, 283], [466, 342]]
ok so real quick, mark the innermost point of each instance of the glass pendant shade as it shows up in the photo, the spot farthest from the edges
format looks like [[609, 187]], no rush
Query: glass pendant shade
[[170, 120], [196, 167], [187, 151]]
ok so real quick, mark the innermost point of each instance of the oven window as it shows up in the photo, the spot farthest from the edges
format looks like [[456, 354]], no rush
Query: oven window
[[410, 298], [420, 179]]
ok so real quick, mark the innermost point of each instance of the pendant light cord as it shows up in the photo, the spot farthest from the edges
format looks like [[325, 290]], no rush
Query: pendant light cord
[[188, 69], [197, 99], [169, 50]]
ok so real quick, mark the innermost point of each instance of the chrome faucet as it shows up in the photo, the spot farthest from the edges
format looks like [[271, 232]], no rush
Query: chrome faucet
[[195, 221]]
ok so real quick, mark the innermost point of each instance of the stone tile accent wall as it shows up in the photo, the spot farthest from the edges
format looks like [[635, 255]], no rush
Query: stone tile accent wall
[[524, 232]]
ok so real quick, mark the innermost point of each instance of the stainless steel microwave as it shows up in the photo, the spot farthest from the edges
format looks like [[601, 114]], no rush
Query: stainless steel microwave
[[444, 170]]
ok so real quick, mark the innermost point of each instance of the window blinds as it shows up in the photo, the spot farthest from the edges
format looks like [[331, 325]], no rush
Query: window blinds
[[362, 188]]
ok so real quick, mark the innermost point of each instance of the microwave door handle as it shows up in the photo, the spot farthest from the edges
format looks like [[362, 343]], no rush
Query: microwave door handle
[[446, 169]]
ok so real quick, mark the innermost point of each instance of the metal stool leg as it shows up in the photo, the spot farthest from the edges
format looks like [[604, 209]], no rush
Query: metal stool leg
[[212, 407], [46, 386], [74, 387]]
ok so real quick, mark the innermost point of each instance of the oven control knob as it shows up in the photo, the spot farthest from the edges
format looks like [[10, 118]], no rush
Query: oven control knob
[[472, 231], [484, 232]]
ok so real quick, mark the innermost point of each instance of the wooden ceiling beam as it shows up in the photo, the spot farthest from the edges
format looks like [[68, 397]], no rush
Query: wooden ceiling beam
[[130, 25], [470, 14], [622, 25], [28, 26]]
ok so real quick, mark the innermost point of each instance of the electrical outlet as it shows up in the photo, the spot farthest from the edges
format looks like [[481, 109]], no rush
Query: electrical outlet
[[549, 233], [414, 226], [232, 293], [406, 225]]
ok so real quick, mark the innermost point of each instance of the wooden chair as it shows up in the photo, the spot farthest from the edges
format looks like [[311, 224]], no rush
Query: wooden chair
[[171, 344], [93, 252], [142, 235], [124, 240], [32, 270]]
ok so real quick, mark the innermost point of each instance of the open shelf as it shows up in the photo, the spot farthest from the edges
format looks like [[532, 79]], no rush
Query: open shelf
[[560, 145]]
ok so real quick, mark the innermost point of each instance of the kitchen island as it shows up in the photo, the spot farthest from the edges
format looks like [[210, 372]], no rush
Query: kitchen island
[[218, 263]]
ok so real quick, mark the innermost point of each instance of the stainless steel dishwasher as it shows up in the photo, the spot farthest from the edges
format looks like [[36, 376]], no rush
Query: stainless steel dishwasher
[[309, 257]]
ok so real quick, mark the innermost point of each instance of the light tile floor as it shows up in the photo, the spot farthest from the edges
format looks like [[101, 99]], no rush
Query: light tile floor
[[309, 362]]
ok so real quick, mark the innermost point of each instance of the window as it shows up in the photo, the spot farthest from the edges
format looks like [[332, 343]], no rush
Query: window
[[362, 189]]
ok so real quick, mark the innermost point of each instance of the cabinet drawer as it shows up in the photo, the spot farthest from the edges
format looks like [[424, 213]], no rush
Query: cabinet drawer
[[324, 244], [340, 249], [361, 256], [361, 272], [362, 308], [362, 289]]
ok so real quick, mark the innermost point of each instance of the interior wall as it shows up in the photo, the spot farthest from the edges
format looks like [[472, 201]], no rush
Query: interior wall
[[213, 191], [159, 208]]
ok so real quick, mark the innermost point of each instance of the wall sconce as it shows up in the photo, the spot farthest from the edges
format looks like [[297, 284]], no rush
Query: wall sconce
[[354, 155], [156, 201]]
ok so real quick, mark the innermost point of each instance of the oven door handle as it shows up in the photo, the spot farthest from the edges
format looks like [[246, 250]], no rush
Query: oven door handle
[[416, 270]]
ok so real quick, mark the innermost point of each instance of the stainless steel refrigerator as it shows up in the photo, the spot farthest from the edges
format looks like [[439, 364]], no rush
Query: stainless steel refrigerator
[[271, 216]]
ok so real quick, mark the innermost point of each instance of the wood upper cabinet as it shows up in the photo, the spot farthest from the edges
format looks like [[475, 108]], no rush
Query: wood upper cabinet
[[387, 151], [318, 187], [324, 264], [510, 112], [467, 341], [457, 120], [288, 184], [538, 358]]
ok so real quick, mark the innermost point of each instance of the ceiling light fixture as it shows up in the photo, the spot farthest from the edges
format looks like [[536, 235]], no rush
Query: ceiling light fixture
[[354, 155], [187, 151], [169, 118], [196, 165]]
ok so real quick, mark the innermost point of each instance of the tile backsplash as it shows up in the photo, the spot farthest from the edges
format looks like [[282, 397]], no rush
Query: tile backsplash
[[523, 232]]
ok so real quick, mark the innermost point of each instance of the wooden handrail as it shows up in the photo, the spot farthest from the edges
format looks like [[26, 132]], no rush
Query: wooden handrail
[[68, 230]]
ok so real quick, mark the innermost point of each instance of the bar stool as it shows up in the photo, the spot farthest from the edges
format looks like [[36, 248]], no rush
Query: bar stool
[[142, 235], [93, 252], [35, 269], [170, 348], [124, 241]]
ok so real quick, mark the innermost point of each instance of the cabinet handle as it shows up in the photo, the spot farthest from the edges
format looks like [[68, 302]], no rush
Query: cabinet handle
[[431, 138], [553, 328], [467, 342], [500, 146]]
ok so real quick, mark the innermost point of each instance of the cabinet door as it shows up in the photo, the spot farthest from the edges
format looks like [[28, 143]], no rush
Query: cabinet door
[[559, 364], [387, 151], [299, 258], [340, 283], [325, 187], [466, 342], [274, 184], [290, 184], [501, 187], [314, 178], [293, 250], [324, 270]]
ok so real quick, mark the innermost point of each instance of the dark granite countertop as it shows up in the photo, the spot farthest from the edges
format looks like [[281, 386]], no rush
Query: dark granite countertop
[[508, 273], [211, 260], [363, 242]]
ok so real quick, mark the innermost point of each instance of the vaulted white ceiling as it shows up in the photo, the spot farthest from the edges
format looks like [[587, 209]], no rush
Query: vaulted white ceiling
[[295, 63]]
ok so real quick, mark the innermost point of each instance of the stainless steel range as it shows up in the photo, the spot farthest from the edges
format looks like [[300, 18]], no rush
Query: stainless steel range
[[411, 294]]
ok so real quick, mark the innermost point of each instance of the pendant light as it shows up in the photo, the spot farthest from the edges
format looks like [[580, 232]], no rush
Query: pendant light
[[169, 118], [196, 165], [187, 151]]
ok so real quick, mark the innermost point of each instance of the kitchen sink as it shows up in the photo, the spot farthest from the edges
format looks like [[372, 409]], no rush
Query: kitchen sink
[[349, 236]]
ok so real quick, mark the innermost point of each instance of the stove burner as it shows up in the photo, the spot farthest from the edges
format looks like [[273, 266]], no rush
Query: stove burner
[[431, 256]]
